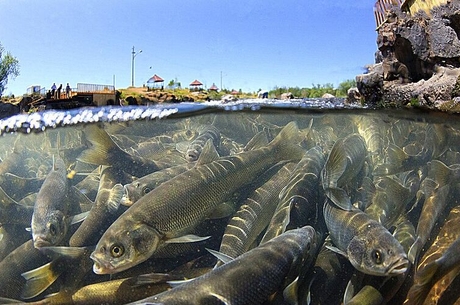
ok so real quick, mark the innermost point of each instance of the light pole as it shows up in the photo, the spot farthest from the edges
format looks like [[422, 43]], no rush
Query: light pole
[[134, 54]]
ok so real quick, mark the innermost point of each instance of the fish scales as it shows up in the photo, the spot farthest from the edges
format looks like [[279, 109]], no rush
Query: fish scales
[[175, 207], [249, 279], [254, 214]]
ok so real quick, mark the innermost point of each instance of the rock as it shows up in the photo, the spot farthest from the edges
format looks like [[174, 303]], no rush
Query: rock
[[432, 92], [370, 85], [327, 95], [7, 110], [228, 98], [353, 96], [287, 96], [420, 57]]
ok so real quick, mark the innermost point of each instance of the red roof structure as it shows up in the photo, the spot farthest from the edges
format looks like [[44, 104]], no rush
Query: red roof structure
[[196, 83], [155, 82], [213, 87], [155, 79]]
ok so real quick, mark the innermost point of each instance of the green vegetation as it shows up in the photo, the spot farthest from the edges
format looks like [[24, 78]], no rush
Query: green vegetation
[[9, 67], [316, 90]]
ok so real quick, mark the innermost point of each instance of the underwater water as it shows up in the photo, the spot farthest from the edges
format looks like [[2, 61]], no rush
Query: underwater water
[[242, 203]]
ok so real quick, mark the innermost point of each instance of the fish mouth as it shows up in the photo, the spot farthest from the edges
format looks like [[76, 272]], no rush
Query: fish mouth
[[399, 266], [100, 267], [41, 242], [125, 200]]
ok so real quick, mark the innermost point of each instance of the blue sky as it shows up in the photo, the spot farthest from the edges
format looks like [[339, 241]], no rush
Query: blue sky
[[256, 44]]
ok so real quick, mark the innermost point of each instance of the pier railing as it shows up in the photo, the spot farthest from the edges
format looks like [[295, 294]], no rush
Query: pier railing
[[94, 88], [381, 7]]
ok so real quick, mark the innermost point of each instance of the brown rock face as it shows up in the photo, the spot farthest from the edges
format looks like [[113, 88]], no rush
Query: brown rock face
[[416, 51]]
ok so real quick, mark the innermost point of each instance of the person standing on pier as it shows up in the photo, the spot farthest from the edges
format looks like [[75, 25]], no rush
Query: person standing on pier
[[59, 91], [53, 90], [67, 91]]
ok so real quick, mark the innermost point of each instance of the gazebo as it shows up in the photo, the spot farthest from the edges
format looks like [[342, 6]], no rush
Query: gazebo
[[213, 88], [196, 85], [155, 82]]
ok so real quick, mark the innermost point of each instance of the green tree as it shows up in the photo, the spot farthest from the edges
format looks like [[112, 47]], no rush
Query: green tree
[[9, 68], [344, 86]]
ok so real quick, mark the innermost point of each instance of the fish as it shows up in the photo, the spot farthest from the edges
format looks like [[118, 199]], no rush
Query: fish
[[439, 260], [104, 211], [269, 267], [433, 207], [119, 291], [400, 160], [388, 199], [13, 213], [205, 133], [104, 151], [367, 295], [372, 128], [298, 200], [22, 259], [331, 272], [368, 245], [169, 212], [53, 208], [254, 214], [143, 185], [344, 162]]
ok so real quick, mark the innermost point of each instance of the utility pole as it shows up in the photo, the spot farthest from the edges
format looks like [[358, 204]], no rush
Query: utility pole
[[134, 54], [220, 80]]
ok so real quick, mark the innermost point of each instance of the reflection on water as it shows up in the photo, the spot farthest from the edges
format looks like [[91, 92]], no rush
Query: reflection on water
[[113, 212]]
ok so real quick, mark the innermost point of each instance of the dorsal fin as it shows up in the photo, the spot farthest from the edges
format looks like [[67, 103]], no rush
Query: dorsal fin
[[208, 154], [258, 141]]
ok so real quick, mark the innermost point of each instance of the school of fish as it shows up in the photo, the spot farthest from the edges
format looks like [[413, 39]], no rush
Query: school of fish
[[235, 208]]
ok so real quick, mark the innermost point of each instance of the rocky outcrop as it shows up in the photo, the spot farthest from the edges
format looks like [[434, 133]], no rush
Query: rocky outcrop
[[158, 97], [418, 58]]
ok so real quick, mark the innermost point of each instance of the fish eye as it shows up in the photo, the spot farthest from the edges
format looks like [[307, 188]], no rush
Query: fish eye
[[117, 250], [377, 257], [146, 190], [53, 229]]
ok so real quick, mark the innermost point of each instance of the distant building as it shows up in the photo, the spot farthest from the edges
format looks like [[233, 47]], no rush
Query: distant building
[[213, 88], [155, 82], [196, 85]]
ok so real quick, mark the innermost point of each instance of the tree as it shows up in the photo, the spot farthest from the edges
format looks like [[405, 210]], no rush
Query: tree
[[9, 67], [344, 86]]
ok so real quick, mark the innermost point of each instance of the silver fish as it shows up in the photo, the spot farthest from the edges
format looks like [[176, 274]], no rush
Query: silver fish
[[206, 132], [440, 259], [369, 247], [140, 187], [269, 267], [52, 210], [298, 201], [104, 151], [342, 165], [254, 214], [433, 206], [173, 209], [104, 211], [388, 199]]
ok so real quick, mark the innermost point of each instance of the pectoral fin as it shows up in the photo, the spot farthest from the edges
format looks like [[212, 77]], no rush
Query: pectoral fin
[[186, 239]]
